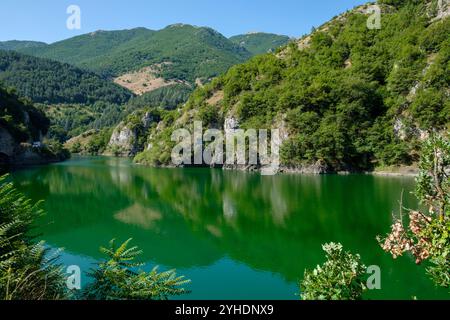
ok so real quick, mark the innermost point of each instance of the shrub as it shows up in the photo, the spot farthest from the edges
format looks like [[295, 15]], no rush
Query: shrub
[[341, 277], [116, 278], [427, 237]]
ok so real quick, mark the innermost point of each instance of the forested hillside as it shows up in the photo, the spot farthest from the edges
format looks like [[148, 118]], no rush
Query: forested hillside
[[161, 67], [345, 96], [260, 42], [187, 52], [16, 45], [47, 81], [80, 50]]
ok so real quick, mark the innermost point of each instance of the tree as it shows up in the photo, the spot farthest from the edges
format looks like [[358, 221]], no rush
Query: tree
[[427, 237], [116, 278], [341, 277]]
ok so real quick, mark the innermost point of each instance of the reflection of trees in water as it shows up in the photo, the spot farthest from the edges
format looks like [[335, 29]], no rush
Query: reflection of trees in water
[[193, 217], [275, 223]]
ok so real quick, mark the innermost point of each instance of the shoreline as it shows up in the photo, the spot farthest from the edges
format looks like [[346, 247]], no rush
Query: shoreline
[[397, 171], [401, 171]]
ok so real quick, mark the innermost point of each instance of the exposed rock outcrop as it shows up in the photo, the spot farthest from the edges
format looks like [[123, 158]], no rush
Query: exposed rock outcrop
[[125, 140]]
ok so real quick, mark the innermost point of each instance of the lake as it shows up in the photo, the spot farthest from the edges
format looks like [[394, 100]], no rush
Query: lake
[[236, 235]]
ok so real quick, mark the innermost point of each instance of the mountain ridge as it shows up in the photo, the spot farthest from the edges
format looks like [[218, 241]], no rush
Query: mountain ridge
[[113, 53], [108, 52]]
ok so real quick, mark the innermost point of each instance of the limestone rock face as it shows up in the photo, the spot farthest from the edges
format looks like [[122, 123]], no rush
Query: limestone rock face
[[125, 138], [320, 167], [122, 141], [442, 10], [231, 123]]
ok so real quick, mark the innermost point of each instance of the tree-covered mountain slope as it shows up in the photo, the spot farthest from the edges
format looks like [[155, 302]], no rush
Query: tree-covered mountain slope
[[344, 97], [185, 52], [260, 42], [17, 45], [81, 50], [48, 81], [75, 100]]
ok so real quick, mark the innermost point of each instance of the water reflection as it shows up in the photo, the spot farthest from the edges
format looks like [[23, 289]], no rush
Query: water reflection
[[199, 219]]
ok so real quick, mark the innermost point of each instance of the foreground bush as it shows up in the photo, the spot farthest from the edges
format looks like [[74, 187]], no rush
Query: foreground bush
[[341, 277], [427, 237], [116, 279], [27, 272]]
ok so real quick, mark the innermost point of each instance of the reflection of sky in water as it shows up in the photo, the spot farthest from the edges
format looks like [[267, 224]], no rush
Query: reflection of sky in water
[[234, 234]]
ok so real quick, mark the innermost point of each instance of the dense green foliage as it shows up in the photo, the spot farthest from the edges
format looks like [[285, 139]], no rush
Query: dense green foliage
[[47, 81], [27, 271], [71, 120], [349, 97], [341, 277], [427, 237], [192, 52], [259, 42], [91, 142], [20, 118], [167, 98], [116, 278], [82, 50], [98, 142]]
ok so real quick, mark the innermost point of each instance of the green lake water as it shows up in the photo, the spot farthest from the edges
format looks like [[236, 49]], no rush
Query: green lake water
[[236, 235]]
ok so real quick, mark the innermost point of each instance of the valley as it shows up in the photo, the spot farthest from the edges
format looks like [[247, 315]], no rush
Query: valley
[[87, 85]]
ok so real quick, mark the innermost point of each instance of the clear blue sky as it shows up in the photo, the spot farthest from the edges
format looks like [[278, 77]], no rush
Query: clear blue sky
[[45, 20]]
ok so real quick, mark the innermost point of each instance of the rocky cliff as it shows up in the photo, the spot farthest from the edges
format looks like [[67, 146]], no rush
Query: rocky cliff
[[129, 137]]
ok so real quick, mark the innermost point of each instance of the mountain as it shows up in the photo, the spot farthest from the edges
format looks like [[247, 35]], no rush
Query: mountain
[[344, 97], [73, 79], [260, 42], [20, 45], [178, 52], [51, 82], [75, 100], [82, 50]]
